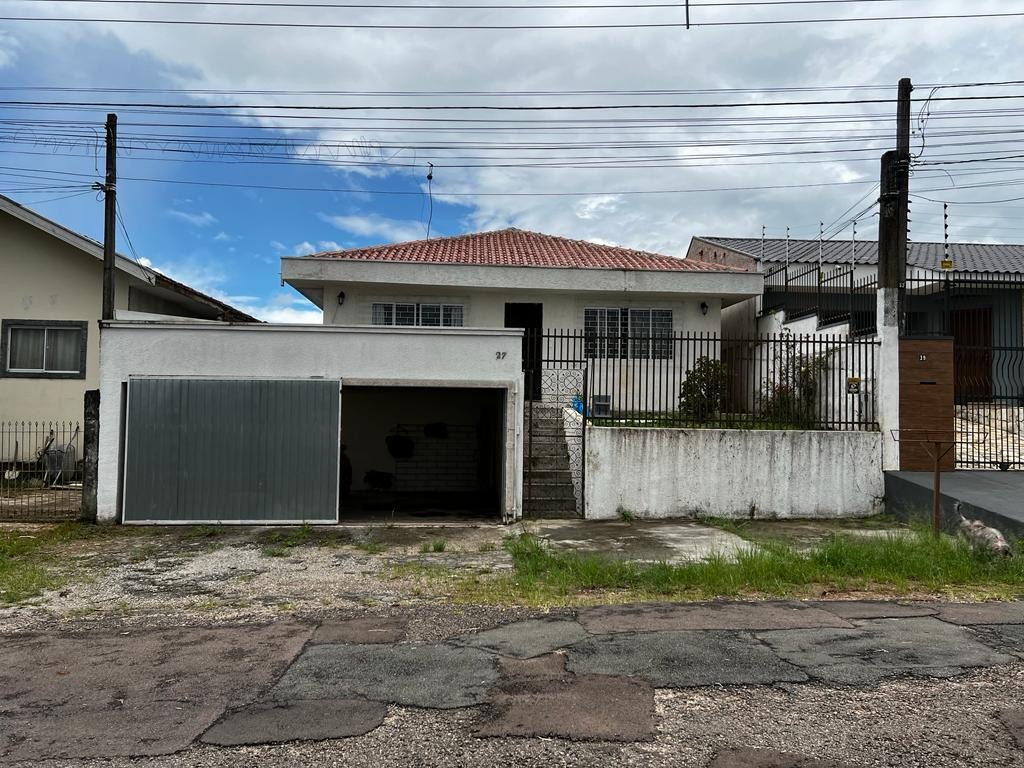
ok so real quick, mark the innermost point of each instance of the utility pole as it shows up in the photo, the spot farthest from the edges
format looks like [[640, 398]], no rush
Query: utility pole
[[110, 219], [892, 214], [892, 271]]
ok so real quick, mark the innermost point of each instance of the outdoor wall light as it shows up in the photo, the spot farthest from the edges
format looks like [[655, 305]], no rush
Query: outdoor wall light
[[703, 307], [341, 298]]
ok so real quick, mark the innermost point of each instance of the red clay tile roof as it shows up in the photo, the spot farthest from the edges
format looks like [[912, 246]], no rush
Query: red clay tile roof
[[520, 248]]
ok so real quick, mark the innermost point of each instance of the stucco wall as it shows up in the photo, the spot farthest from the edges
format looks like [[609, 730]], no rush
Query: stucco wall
[[656, 473], [485, 308], [357, 356]]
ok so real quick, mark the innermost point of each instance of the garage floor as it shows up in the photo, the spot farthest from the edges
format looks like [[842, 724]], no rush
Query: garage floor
[[375, 506]]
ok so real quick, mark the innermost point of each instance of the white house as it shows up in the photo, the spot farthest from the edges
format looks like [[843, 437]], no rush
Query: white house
[[408, 400]]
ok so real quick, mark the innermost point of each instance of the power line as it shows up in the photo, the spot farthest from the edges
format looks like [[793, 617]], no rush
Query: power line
[[509, 27], [479, 107], [490, 7]]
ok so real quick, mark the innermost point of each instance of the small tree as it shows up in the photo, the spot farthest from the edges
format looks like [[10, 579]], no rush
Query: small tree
[[702, 394]]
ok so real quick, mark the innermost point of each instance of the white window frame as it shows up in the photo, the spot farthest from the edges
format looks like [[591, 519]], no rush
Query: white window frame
[[442, 310], [624, 348]]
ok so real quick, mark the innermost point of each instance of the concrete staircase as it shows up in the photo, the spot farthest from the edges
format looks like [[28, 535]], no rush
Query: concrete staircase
[[547, 480]]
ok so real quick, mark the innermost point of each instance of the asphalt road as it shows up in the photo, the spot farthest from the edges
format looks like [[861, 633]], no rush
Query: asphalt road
[[728, 685]]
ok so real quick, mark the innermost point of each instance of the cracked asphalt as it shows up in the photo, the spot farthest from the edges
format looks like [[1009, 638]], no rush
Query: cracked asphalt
[[723, 685]]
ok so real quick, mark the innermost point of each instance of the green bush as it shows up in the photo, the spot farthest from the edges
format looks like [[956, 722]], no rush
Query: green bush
[[702, 394]]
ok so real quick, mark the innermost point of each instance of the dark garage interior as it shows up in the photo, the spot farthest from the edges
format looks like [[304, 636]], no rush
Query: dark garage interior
[[421, 452]]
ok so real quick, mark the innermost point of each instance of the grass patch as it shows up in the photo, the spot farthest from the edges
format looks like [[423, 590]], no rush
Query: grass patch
[[370, 546], [437, 545], [914, 562], [272, 550], [28, 559]]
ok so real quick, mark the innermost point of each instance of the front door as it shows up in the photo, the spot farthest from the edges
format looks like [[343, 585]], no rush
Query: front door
[[530, 317]]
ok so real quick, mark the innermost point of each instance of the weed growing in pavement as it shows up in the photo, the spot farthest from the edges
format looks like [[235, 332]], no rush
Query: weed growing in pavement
[[273, 550], [437, 545], [909, 562], [626, 515], [370, 546], [487, 546]]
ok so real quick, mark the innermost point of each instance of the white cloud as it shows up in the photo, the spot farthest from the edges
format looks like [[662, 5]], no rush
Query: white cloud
[[8, 50], [280, 307], [378, 227], [596, 207], [224, 237], [702, 154], [289, 315], [201, 219]]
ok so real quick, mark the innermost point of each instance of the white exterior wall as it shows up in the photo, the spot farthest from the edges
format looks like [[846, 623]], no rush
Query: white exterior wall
[[358, 356], [658, 473], [485, 308]]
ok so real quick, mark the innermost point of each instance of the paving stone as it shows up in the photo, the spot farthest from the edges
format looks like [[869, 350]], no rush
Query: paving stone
[[431, 676], [682, 659], [881, 648], [767, 758], [873, 609], [297, 721], [134, 692], [1005, 638], [372, 629], [552, 665], [982, 613], [583, 707], [652, 617], [526, 639], [1013, 719]]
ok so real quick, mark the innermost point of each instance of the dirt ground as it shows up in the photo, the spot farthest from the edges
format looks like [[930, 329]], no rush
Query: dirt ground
[[156, 575]]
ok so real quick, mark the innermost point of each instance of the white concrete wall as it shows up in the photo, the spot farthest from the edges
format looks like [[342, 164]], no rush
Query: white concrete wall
[[657, 473], [485, 308], [357, 356]]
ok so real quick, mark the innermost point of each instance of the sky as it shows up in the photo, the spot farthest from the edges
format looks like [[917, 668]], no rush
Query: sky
[[214, 197]]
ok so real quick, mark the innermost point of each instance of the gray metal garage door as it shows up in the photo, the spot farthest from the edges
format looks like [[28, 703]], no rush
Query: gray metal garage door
[[216, 450]]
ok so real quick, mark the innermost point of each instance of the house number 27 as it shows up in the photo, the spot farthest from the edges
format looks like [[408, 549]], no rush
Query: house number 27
[[500, 355]]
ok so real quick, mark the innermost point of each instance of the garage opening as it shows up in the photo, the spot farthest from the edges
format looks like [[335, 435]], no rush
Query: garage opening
[[422, 452]]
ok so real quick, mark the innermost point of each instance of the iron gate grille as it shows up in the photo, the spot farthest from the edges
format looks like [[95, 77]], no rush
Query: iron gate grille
[[984, 314]]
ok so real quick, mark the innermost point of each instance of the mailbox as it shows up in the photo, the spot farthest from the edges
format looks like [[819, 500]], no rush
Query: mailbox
[[926, 397]]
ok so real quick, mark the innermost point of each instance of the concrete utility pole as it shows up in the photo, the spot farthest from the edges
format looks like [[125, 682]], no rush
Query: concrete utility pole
[[110, 219], [894, 199], [892, 271]]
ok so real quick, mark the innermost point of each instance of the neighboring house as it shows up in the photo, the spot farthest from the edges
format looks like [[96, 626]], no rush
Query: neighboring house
[[50, 302], [831, 286], [977, 298]]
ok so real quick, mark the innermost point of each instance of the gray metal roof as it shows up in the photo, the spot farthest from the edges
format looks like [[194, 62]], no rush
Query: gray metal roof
[[967, 257]]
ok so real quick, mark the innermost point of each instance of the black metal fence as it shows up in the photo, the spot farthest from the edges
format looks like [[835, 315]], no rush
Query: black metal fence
[[984, 314], [780, 381], [835, 295], [40, 470]]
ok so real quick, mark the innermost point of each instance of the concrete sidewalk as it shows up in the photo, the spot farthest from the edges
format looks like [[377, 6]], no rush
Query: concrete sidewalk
[[604, 676]]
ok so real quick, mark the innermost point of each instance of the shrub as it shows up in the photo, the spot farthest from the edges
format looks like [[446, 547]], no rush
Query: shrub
[[702, 394]]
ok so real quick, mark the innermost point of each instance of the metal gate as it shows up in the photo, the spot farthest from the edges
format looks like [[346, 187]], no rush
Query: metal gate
[[555, 378], [985, 317], [231, 451]]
